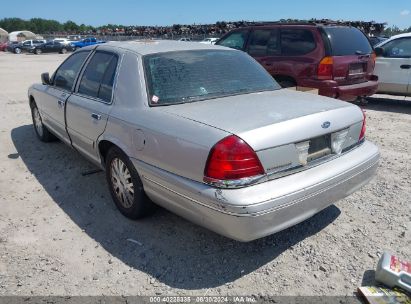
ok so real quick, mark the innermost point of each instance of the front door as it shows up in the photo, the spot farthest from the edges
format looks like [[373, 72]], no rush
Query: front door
[[88, 108], [55, 95], [394, 67]]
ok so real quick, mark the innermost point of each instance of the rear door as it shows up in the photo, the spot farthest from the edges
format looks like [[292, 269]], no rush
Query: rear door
[[54, 97], [351, 52], [89, 106], [394, 67], [299, 53], [263, 45]]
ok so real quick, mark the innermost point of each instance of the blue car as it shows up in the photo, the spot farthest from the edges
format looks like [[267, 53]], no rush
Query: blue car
[[85, 42]]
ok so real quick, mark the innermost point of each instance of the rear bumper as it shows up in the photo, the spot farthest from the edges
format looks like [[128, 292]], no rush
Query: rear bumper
[[259, 210], [344, 92]]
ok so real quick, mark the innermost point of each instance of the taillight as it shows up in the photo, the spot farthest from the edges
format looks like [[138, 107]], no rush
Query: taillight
[[325, 68], [362, 133], [373, 59], [232, 159]]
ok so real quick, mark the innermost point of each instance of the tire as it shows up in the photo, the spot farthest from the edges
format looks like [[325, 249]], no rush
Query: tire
[[122, 178], [63, 51], [17, 50], [37, 51], [41, 130]]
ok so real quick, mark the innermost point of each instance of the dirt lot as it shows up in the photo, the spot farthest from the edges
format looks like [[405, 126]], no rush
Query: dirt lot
[[60, 233]]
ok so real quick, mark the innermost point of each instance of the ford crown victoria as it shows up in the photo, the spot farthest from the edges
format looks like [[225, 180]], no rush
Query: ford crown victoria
[[205, 132]]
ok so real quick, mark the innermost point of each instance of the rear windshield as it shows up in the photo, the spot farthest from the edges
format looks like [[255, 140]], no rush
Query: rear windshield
[[187, 76], [347, 41]]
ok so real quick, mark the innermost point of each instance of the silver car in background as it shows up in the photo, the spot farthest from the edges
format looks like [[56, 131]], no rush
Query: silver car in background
[[205, 132]]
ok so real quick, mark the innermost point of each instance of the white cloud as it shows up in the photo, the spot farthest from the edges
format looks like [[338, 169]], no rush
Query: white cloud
[[405, 13]]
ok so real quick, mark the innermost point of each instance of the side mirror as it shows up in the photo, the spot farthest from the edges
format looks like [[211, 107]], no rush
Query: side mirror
[[45, 78], [379, 51], [60, 82]]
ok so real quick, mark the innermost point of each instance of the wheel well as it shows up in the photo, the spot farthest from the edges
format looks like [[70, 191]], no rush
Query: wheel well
[[284, 78], [32, 101], [104, 146]]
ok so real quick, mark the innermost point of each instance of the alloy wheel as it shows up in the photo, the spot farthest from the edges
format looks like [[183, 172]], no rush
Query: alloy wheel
[[122, 182], [38, 123]]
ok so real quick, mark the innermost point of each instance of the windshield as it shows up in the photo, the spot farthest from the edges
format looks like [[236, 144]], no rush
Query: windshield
[[347, 41], [187, 76]]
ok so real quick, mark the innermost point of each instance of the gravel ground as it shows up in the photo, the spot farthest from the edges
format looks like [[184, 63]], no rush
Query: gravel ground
[[60, 233]]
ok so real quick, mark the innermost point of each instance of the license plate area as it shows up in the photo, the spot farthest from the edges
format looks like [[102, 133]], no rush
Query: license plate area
[[357, 70], [319, 147]]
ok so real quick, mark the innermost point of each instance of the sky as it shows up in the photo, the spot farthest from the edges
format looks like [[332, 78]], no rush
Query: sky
[[167, 12]]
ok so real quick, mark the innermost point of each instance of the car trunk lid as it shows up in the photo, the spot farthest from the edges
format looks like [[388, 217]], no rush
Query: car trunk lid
[[280, 125]]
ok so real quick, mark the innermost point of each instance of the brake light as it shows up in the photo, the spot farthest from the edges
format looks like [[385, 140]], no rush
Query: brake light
[[362, 133], [232, 159], [325, 68], [373, 58]]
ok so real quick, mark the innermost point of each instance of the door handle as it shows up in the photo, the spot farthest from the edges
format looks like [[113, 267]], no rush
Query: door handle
[[405, 66], [61, 103], [96, 116]]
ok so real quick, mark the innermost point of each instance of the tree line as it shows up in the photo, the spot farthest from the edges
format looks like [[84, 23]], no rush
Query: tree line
[[42, 26]]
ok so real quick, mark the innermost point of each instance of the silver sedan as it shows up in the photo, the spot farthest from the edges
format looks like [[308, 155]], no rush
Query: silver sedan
[[205, 132]]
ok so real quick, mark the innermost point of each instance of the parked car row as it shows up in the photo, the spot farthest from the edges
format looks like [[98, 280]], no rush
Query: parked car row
[[39, 46]]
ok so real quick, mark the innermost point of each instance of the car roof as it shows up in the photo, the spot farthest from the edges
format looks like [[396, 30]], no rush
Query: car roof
[[384, 42], [401, 36], [146, 47]]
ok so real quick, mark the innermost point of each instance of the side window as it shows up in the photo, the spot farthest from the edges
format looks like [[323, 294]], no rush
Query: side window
[[66, 74], [93, 40], [236, 40], [295, 42], [264, 43], [98, 78], [399, 48]]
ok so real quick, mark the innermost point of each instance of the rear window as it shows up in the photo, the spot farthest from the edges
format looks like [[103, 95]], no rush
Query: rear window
[[187, 76], [347, 41]]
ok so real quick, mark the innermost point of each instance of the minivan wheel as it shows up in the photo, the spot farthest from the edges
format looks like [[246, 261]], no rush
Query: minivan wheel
[[63, 50], [17, 50], [125, 185], [41, 130]]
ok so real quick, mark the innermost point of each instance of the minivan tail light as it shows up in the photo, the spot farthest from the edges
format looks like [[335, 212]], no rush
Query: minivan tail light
[[232, 159], [373, 58], [363, 128], [325, 68]]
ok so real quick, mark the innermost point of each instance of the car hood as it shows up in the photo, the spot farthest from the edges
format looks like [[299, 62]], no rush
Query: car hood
[[242, 113]]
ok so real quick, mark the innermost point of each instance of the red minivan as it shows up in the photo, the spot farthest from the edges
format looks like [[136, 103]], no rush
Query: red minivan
[[337, 60]]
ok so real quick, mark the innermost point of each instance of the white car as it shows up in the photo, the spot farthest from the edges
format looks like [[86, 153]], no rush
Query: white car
[[209, 41], [393, 65], [64, 41]]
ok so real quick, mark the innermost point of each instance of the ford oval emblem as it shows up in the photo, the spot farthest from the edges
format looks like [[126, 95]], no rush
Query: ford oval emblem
[[326, 125]]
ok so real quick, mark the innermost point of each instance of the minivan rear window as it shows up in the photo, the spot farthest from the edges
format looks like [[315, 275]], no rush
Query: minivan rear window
[[347, 41]]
